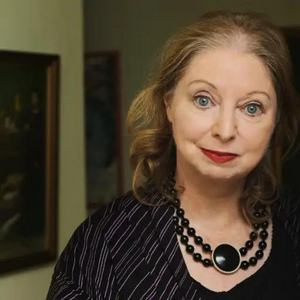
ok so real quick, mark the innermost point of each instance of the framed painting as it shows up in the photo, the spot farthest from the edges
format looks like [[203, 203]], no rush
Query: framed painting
[[287, 171], [103, 128], [28, 158]]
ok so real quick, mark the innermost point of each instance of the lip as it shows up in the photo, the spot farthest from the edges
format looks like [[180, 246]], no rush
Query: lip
[[218, 156]]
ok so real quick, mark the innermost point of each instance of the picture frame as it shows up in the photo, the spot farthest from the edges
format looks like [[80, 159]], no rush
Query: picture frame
[[104, 171], [29, 159]]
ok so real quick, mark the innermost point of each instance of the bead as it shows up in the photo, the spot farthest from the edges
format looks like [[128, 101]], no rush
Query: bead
[[253, 261], [198, 240], [197, 257], [189, 248], [176, 202], [184, 239], [243, 251], [264, 213], [264, 234], [180, 212], [256, 214], [191, 231], [206, 262], [265, 225], [244, 265], [256, 226], [175, 219], [259, 254], [185, 222], [262, 245], [249, 244], [253, 236], [179, 229], [206, 248]]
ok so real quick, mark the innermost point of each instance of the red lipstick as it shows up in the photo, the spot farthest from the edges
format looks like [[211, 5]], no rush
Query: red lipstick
[[219, 157]]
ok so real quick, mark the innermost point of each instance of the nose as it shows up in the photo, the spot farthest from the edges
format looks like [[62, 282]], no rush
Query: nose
[[224, 126]]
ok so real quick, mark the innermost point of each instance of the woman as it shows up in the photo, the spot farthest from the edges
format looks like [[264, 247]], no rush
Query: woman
[[205, 219]]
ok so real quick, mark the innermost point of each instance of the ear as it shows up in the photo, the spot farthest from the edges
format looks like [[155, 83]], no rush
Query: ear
[[169, 111]]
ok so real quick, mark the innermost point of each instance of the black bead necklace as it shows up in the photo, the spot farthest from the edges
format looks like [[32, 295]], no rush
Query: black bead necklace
[[225, 258]]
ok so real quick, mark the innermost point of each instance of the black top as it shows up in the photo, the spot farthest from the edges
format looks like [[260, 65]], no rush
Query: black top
[[129, 251]]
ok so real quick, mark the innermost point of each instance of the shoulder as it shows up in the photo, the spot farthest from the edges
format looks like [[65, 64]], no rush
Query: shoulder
[[288, 212], [287, 209], [93, 245], [120, 220], [107, 219], [288, 202], [108, 213]]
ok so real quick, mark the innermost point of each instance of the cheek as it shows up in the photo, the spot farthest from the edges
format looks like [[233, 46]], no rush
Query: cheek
[[190, 128], [257, 139]]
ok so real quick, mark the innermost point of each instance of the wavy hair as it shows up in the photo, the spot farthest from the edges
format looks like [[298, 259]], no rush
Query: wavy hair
[[153, 152]]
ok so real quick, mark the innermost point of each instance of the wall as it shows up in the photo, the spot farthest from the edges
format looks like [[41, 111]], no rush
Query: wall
[[138, 30], [55, 27]]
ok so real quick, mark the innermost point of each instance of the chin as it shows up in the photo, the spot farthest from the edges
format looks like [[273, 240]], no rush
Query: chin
[[218, 174], [223, 178]]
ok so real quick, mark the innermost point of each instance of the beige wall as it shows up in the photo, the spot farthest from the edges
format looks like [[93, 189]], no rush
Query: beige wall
[[139, 28], [52, 26]]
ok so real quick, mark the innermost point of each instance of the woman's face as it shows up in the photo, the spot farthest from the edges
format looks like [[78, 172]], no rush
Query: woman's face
[[225, 102]]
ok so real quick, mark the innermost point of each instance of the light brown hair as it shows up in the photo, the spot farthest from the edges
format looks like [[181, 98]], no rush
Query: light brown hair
[[153, 153]]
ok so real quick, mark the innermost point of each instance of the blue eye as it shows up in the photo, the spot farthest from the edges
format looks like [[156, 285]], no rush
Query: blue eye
[[202, 101], [253, 109]]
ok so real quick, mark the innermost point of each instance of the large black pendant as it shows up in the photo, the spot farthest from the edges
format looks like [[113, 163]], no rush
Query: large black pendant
[[226, 259]]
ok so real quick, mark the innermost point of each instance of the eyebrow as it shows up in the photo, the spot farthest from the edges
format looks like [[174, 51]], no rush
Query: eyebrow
[[202, 81], [259, 92], [210, 84]]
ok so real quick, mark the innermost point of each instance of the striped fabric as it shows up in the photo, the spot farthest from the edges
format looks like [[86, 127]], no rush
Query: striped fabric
[[125, 251]]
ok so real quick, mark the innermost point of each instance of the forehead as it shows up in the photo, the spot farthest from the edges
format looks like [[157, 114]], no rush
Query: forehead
[[227, 68]]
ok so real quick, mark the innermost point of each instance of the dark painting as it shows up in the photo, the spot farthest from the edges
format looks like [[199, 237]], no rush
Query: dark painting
[[27, 97], [102, 115]]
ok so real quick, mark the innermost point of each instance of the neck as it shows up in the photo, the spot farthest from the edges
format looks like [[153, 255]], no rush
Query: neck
[[214, 202]]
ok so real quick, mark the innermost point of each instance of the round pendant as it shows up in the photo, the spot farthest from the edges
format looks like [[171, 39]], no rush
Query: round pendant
[[226, 259]]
